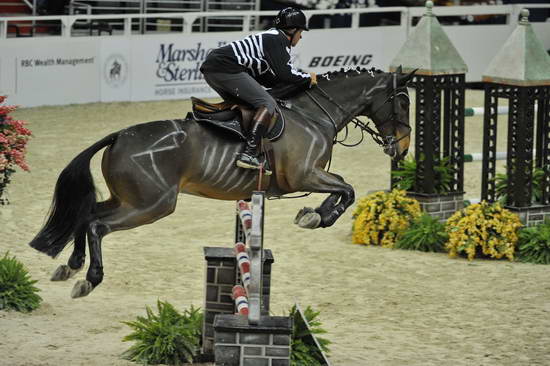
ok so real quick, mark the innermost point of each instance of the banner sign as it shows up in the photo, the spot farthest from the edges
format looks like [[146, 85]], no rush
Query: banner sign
[[34, 72], [115, 72], [331, 49], [168, 67], [158, 67]]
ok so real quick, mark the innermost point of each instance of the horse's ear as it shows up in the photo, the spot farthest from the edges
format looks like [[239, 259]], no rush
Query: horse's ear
[[405, 79], [411, 74]]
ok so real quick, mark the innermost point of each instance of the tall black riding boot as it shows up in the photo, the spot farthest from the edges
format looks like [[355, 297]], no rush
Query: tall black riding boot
[[249, 158]]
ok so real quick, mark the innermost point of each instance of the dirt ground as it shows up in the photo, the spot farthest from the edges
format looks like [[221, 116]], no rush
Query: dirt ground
[[380, 306]]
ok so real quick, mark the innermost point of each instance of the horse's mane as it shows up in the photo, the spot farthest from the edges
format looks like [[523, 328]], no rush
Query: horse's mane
[[285, 91], [347, 72]]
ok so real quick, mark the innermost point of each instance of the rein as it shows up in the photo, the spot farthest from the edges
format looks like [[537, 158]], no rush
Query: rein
[[382, 141], [358, 123]]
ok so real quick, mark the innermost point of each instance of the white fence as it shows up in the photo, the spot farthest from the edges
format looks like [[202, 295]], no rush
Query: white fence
[[163, 64]]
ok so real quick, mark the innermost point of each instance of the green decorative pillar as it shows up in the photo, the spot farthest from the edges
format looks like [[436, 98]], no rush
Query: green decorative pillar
[[439, 122], [520, 73]]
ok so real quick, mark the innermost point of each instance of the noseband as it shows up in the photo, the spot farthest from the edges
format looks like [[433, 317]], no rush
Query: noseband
[[386, 142], [393, 99]]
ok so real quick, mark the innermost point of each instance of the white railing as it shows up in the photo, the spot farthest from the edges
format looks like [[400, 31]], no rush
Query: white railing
[[187, 19], [226, 24], [461, 11], [29, 4], [164, 6], [510, 11]]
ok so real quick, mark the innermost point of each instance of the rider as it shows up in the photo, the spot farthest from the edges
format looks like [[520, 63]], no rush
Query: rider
[[238, 70]]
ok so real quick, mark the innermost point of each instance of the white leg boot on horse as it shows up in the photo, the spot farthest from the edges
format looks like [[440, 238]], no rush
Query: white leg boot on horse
[[250, 157]]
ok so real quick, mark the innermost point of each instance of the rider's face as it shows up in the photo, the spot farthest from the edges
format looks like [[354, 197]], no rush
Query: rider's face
[[296, 37]]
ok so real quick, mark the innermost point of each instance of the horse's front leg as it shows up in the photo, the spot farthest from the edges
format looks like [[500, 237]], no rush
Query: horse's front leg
[[310, 218], [341, 197]]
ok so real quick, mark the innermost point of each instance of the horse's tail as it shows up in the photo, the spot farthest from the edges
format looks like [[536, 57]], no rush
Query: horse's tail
[[73, 202]]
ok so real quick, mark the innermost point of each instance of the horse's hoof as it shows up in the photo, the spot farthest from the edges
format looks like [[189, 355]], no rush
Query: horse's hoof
[[310, 220], [301, 214], [63, 273], [81, 288]]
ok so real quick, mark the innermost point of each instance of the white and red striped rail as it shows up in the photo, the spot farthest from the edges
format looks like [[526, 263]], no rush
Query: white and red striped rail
[[248, 297]]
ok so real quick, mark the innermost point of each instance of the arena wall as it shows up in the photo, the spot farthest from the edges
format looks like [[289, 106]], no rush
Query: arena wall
[[127, 67]]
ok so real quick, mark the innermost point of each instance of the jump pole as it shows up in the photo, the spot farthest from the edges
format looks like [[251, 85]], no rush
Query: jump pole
[[468, 158], [502, 155], [479, 111]]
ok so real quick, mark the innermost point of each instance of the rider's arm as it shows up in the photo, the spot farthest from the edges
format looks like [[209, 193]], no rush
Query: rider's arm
[[277, 53], [267, 79], [313, 79]]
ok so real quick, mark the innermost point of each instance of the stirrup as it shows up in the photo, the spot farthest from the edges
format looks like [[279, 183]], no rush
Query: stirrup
[[247, 161]]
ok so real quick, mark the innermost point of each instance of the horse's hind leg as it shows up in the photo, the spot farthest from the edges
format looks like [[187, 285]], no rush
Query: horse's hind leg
[[96, 232], [76, 260], [121, 218]]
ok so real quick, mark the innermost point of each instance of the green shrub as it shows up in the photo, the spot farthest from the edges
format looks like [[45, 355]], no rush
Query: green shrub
[[167, 337], [426, 234], [534, 244], [501, 186], [303, 351], [405, 175], [17, 290]]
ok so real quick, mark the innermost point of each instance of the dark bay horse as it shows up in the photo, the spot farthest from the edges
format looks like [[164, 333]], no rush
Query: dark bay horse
[[145, 166]]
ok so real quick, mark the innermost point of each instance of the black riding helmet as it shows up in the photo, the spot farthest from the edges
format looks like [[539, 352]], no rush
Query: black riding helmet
[[289, 18]]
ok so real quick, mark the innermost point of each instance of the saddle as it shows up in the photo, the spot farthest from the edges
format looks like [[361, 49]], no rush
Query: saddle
[[233, 118]]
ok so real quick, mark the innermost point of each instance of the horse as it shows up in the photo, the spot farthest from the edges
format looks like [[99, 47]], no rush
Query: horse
[[147, 165]]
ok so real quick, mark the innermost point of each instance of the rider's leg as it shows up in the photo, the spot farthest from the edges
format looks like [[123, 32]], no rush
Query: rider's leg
[[244, 87], [249, 158], [216, 82]]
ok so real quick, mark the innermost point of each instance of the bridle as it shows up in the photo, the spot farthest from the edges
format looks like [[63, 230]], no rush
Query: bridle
[[386, 142]]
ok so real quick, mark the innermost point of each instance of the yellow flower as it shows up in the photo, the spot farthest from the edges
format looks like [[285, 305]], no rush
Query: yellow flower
[[381, 216], [490, 228]]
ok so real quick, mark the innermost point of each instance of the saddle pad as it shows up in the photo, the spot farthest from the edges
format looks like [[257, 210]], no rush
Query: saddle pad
[[233, 124]]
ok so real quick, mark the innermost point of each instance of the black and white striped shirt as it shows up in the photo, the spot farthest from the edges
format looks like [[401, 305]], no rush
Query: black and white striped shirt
[[265, 56]]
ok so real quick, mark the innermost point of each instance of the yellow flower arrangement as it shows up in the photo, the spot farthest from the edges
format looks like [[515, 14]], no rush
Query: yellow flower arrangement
[[489, 228], [381, 217]]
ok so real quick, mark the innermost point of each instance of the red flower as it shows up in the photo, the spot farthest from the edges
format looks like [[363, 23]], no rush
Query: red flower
[[13, 141]]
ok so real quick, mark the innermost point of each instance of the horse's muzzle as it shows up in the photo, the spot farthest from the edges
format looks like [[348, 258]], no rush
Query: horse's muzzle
[[390, 147], [390, 150]]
